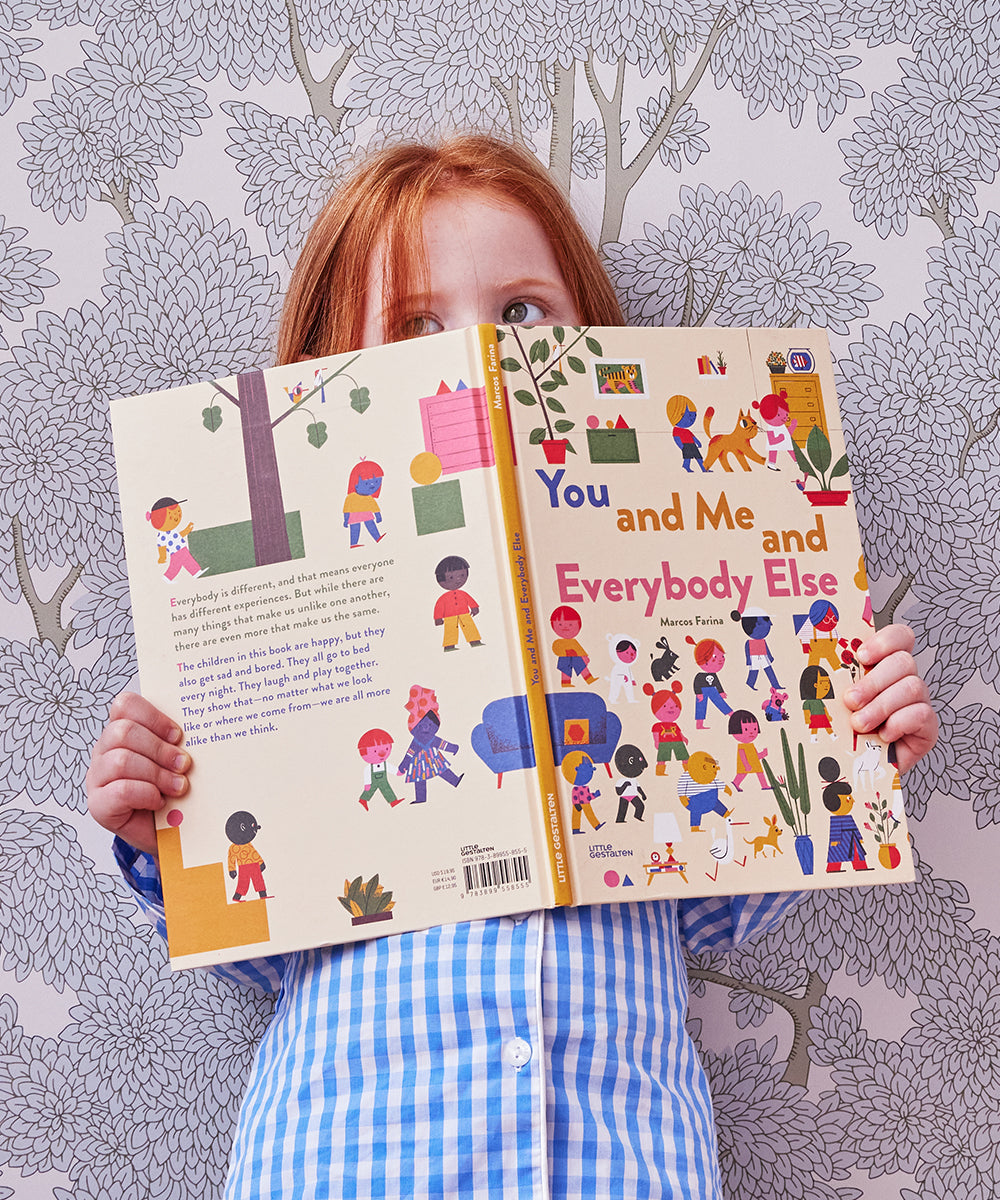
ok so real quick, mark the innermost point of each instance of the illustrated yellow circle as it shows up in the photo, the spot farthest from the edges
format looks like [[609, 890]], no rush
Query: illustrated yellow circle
[[425, 468]]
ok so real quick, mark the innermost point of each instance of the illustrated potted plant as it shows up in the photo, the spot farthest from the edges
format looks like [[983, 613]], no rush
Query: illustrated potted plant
[[816, 461], [883, 824], [542, 360], [791, 791], [367, 902], [776, 363]]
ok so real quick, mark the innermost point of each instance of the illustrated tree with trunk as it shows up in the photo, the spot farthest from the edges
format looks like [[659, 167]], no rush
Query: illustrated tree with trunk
[[267, 508]]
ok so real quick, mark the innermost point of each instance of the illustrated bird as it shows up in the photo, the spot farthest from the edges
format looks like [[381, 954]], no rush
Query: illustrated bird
[[721, 848]]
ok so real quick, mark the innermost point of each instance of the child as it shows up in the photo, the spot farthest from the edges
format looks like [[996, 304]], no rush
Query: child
[[456, 609], [815, 686], [486, 1058], [361, 505], [571, 658], [171, 542], [710, 656], [375, 746], [667, 736]]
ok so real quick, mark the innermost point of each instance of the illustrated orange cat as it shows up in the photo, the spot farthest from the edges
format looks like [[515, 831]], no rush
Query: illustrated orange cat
[[737, 443]]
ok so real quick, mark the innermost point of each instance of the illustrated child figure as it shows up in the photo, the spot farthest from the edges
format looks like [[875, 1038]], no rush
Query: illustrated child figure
[[375, 746], [845, 836], [462, 224], [682, 414], [360, 504], [245, 865], [578, 769], [425, 756], [756, 624], [631, 762], [667, 736], [623, 652], [815, 687], [571, 658], [817, 631], [455, 608], [710, 656], [698, 789], [172, 543], [774, 412], [745, 727]]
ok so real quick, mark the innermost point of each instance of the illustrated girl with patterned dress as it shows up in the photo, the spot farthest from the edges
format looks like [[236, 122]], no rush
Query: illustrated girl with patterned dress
[[425, 757]]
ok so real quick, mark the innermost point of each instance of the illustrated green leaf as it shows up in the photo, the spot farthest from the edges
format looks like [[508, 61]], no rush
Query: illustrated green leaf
[[536, 436], [501, 334], [510, 364], [549, 385], [563, 426], [839, 467], [553, 405], [593, 345], [559, 333], [317, 433], [211, 417], [576, 364], [360, 399], [818, 449], [559, 378], [536, 353], [804, 464], [569, 447], [525, 397]]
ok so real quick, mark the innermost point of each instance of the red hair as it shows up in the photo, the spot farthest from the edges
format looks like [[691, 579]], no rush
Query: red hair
[[704, 649], [374, 737], [657, 697], [366, 469], [379, 207]]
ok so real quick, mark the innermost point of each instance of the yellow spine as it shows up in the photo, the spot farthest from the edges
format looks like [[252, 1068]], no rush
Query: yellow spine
[[524, 607]]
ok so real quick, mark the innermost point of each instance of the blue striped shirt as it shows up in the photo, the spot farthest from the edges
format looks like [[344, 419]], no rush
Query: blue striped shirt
[[536, 1056]]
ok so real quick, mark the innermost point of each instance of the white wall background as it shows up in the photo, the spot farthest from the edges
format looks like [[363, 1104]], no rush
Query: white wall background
[[768, 162]]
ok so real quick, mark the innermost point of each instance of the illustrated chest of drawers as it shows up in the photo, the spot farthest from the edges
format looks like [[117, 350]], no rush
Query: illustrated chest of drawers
[[805, 402]]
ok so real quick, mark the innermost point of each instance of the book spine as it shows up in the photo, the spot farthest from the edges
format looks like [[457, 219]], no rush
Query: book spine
[[503, 449]]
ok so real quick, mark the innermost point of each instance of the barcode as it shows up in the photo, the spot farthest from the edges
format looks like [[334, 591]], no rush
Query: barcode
[[497, 873]]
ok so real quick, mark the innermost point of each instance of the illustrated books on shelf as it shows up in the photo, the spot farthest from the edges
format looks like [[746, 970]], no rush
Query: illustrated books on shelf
[[502, 619]]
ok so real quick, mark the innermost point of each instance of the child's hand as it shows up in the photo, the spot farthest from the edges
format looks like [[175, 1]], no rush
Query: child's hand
[[891, 699], [136, 766]]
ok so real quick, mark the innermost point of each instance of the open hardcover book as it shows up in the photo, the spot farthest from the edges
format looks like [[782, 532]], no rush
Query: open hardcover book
[[502, 619]]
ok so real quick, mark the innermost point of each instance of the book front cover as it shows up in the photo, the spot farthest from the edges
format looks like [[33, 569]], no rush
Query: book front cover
[[321, 597], [700, 595]]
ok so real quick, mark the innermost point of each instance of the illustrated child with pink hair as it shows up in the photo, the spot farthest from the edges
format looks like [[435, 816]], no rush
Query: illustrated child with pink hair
[[360, 504], [172, 543]]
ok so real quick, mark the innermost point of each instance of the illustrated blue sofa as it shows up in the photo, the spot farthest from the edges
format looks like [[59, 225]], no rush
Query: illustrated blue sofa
[[578, 720]]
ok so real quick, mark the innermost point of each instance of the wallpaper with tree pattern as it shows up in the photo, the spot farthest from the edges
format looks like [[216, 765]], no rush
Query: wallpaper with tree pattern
[[774, 162]]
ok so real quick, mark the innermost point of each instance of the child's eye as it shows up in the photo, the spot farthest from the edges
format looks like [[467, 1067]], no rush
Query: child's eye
[[522, 312], [421, 326]]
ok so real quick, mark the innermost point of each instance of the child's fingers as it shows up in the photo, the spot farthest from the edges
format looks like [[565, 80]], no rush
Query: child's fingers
[[130, 706], [887, 641], [893, 685]]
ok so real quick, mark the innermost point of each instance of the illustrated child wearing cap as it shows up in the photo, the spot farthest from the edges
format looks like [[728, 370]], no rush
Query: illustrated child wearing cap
[[165, 516]]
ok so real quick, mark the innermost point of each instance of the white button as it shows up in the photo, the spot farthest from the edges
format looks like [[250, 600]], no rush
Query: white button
[[517, 918], [517, 1052]]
